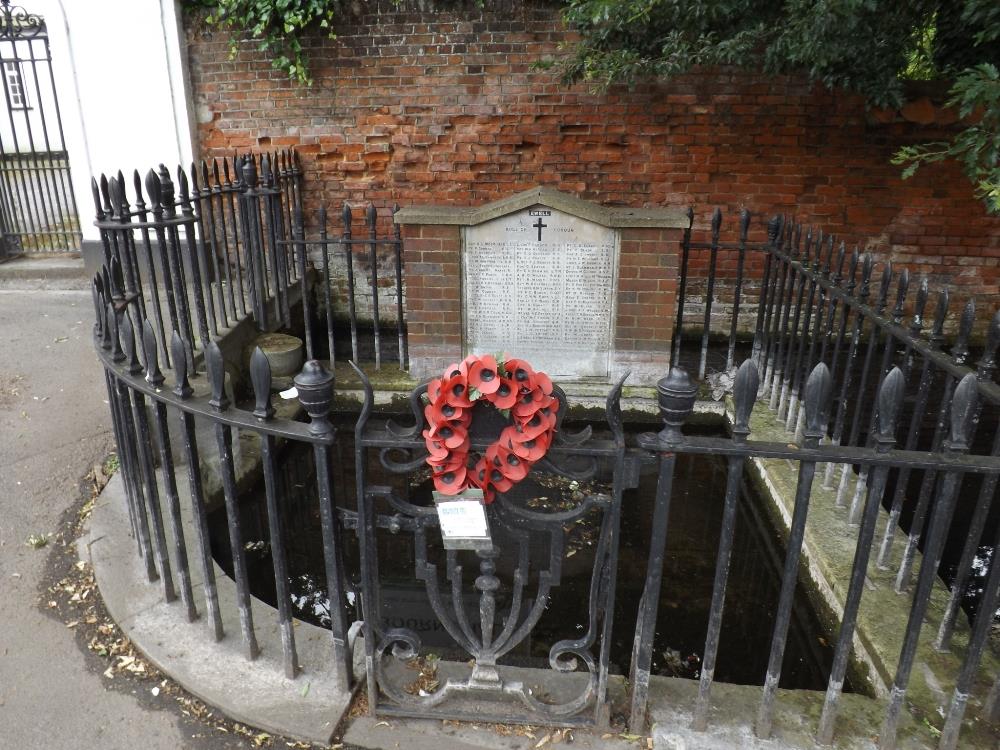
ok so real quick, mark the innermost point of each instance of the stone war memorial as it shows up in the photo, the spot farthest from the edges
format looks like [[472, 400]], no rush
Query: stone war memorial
[[461, 401], [548, 276]]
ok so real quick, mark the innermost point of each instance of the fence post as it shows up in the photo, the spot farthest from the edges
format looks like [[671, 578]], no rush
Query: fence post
[[963, 406], [676, 395], [315, 386], [744, 396], [773, 227], [817, 405], [890, 402]]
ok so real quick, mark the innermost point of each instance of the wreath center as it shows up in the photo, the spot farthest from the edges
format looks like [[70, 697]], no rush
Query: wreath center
[[514, 388]]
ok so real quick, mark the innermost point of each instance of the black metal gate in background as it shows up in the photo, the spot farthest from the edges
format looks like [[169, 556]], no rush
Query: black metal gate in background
[[37, 207]]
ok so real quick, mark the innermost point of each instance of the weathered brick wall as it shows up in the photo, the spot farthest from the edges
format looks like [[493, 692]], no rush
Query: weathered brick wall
[[434, 316], [444, 107]]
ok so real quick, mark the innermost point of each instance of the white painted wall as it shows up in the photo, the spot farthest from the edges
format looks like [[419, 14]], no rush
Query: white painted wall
[[120, 73]]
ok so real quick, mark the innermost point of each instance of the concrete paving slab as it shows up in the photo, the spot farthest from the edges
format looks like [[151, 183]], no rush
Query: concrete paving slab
[[44, 272], [308, 708]]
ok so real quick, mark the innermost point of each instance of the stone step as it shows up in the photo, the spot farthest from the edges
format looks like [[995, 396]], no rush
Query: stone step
[[57, 271]]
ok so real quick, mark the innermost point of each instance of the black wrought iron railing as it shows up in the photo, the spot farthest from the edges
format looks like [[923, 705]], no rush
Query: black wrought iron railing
[[199, 256], [870, 407], [378, 300]]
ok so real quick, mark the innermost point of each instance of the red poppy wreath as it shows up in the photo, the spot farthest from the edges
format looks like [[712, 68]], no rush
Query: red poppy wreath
[[513, 387]]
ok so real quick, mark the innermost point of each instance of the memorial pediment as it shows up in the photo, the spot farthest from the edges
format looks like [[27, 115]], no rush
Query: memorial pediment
[[608, 216]]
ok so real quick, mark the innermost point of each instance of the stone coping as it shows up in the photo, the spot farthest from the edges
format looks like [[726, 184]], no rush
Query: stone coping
[[609, 216], [308, 708], [827, 557]]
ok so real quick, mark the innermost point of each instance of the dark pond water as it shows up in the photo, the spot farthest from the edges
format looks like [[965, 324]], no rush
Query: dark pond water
[[685, 597]]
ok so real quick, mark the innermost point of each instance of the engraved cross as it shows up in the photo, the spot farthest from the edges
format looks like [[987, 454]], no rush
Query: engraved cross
[[539, 226]]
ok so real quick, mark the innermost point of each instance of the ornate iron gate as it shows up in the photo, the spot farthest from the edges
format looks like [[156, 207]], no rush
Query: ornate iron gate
[[37, 207], [489, 614]]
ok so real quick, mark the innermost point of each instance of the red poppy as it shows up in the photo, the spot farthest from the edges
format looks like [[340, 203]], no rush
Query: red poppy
[[505, 396], [434, 390], [437, 450], [450, 480], [544, 382], [455, 392], [531, 427], [483, 375], [520, 372], [453, 435], [510, 464], [531, 449], [529, 402]]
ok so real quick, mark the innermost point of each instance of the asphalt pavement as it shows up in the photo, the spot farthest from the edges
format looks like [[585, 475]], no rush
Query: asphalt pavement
[[54, 426]]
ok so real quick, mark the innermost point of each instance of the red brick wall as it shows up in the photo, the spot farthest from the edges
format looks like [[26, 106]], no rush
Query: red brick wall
[[445, 108], [432, 258], [647, 290]]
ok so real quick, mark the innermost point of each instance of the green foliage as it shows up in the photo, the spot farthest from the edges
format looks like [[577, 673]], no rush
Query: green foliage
[[867, 46], [861, 45], [277, 27], [976, 95]]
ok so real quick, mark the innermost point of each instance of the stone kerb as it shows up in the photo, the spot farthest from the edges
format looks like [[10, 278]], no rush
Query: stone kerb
[[584, 291]]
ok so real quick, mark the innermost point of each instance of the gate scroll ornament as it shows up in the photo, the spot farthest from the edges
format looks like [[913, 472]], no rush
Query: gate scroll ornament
[[514, 576]]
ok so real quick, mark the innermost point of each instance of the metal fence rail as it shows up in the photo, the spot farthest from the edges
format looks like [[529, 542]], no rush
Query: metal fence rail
[[815, 302], [145, 408], [954, 465], [881, 408], [378, 257], [200, 255]]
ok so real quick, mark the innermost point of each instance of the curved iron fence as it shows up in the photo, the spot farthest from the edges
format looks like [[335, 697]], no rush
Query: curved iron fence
[[843, 376]]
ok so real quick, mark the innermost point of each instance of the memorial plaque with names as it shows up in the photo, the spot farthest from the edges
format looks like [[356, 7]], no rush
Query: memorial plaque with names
[[540, 284]]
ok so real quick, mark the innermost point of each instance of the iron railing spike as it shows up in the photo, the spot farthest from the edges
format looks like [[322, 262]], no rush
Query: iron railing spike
[[988, 361], [774, 229], [104, 190], [960, 351], [940, 316], [137, 186], [114, 334], [96, 192], [260, 378], [127, 336], [920, 306], [153, 188], [819, 387], [153, 374], [890, 404], [215, 367], [178, 354], [963, 411], [745, 389]]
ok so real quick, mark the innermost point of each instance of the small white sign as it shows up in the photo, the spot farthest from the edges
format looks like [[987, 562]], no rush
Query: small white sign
[[463, 518]]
